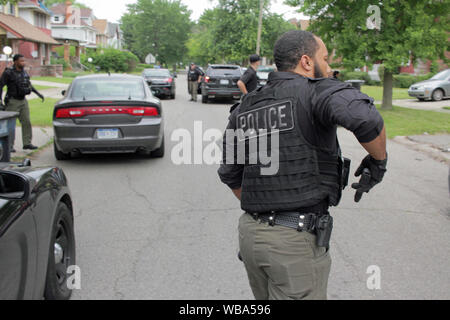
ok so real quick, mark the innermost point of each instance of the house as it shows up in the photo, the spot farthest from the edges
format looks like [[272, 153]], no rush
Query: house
[[74, 27], [101, 25], [109, 35], [24, 27]]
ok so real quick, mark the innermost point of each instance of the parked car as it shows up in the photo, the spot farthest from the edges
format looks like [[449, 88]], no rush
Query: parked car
[[37, 241], [263, 75], [220, 81], [161, 82], [108, 114], [436, 88]]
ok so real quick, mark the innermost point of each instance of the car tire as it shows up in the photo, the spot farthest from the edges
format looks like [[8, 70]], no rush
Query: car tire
[[158, 153], [205, 99], [437, 95], [63, 235], [61, 156], [421, 99]]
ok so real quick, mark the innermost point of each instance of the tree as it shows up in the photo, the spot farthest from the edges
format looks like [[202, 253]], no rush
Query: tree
[[228, 32], [414, 28], [159, 27]]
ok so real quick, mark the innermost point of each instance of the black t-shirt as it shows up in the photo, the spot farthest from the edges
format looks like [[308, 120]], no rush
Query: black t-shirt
[[250, 79], [194, 75], [346, 107]]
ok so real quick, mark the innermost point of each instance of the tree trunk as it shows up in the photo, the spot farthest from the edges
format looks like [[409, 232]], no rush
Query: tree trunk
[[387, 90]]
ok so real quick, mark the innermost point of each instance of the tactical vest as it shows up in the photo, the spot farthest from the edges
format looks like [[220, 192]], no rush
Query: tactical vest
[[21, 84], [307, 175]]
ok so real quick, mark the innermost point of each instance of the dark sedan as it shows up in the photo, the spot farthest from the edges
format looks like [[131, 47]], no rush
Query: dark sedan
[[161, 82], [108, 114], [37, 242], [220, 81]]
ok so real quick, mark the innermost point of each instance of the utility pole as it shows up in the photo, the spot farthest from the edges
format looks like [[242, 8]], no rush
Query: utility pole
[[258, 42]]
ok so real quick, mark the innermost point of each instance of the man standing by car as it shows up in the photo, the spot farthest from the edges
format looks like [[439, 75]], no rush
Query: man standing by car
[[284, 234], [19, 86], [194, 78], [249, 80]]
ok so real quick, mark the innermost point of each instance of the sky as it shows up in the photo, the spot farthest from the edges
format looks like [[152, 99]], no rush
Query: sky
[[114, 9]]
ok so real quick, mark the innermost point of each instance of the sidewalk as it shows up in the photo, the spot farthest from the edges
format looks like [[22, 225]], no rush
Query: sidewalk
[[437, 106], [54, 93], [42, 136], [436, 146]]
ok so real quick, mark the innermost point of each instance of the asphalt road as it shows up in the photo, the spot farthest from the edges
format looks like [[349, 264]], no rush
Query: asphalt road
[[149, 229]]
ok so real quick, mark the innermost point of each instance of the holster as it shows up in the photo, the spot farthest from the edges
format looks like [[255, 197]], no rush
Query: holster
[[324, 228], [346, 172]]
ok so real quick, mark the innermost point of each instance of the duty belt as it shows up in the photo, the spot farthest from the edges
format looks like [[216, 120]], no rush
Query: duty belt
[[291, 219]]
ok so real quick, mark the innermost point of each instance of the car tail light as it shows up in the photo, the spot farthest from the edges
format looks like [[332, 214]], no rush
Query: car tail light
[[84, 111], [170, 80], [207, 79]]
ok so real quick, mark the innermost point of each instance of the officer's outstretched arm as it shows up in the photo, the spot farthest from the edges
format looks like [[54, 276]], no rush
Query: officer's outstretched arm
[[377, 147]]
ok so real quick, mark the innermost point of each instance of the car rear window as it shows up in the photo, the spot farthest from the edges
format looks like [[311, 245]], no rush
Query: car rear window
[[223, 72], [157, 73], [116, 89]]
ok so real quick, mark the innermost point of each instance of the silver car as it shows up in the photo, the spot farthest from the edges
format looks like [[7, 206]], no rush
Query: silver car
[[436, 88], [108, 114]]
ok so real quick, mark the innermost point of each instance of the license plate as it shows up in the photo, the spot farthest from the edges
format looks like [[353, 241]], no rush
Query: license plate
[[108, 133], [225, 82]]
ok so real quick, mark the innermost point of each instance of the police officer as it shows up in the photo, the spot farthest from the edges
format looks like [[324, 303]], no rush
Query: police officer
[[194, 79], [249, 80], [285, 231], [19, 86]]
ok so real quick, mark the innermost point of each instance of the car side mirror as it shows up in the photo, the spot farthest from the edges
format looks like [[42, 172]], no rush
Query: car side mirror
[[63, 92], [14, 186]]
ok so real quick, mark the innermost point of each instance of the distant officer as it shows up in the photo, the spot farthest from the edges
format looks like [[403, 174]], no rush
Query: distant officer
[[194, 79], [249, 80], [19, 86], [285, 232]]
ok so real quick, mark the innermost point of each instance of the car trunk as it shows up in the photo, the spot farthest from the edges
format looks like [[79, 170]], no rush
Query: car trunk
[[105, 112]]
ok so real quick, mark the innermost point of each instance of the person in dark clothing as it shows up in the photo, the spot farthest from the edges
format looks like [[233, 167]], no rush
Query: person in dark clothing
[[284, 234], [194, 79], [249, 80], [19, 86]]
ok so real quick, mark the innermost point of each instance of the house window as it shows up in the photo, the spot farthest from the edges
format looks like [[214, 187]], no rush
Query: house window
[[40, 20], [12, 9], [56, 19]]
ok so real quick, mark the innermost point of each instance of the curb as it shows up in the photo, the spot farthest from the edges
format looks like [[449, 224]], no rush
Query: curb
[[431, 150]]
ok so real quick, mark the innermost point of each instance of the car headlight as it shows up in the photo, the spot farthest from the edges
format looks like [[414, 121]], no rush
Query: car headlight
[[418, 87]]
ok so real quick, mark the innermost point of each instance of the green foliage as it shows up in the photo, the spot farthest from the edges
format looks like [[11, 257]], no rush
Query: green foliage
[[228, 32], [406, 80], [110, 60], [434, 68], [59, 61], [159, 27], [408, 28]]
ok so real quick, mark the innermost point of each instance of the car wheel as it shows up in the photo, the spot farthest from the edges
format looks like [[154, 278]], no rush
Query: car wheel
[[60, 155], [205, 99], [421, 99], [437, 95], [61, 255], [159, 153]]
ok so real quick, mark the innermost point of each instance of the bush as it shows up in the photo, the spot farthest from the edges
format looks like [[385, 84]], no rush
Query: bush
[[111, 60], [59, 61], [406, 80]]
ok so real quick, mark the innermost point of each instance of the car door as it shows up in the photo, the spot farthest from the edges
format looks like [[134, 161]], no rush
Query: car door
[[18, 250]]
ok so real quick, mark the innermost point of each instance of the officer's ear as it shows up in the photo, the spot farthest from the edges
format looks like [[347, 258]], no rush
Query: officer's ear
[[307, 63]]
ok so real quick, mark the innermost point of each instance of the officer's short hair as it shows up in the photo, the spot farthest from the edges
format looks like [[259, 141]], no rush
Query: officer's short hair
[[291, 46], [17, 57], [254, 58]]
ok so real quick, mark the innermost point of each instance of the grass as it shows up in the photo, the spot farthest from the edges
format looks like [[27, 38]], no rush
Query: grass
[[41, 113], [406, 122], [376, 92], [54, 79], [446, 108], [39, 88]]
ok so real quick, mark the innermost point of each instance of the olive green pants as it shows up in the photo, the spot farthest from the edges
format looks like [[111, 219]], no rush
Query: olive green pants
[[21, 106], [282, 263], [193, 89]]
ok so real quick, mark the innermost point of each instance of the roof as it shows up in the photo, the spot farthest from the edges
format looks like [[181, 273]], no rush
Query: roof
[[25, 4], [101, 25], [24, 30], [60, 9]]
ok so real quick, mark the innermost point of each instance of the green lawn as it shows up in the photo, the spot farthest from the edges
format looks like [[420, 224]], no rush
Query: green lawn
[[41, 113], [376, 92], [407, 122], [39, 88], [54, 79]]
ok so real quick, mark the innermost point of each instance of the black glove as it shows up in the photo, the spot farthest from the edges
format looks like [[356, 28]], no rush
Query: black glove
[[372, 172]]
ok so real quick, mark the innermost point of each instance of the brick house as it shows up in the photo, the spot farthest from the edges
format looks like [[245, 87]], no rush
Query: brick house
[[24, 28]]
